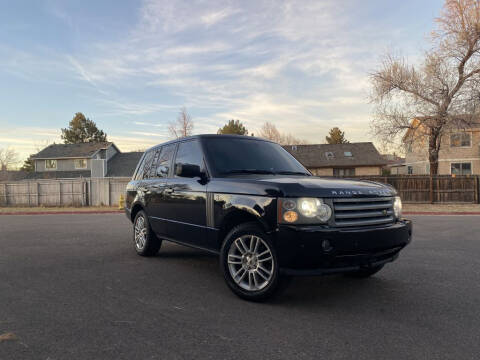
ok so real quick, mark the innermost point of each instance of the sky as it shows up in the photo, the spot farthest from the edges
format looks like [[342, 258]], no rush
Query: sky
[[131, 65]]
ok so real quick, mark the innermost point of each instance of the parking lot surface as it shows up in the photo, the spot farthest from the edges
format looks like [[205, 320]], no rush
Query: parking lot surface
[[72, 287]]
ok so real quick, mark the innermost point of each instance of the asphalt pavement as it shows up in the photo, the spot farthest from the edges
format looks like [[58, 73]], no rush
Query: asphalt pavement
[[72, 287]]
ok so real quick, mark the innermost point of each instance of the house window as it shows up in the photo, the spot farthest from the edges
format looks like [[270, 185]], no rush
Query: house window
[[80, 163], [347, 154], [461, 168], [410, 170], [461, 139], [51, 164], [329, 155], [344, 172]]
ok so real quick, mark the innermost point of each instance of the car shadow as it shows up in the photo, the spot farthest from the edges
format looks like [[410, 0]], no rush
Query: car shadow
[[329, 289]]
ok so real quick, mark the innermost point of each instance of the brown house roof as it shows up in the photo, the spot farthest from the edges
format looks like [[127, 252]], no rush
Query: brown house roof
[[59, 151], [336, 155]]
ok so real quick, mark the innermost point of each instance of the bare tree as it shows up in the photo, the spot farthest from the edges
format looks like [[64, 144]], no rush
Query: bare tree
[[442, 93], [183, 126], [8, 157], [269, 131]]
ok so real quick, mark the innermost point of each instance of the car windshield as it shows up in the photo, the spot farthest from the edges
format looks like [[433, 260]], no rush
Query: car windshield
[[229, 156]]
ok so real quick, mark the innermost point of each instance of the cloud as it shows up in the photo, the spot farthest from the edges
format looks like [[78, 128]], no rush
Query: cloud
[[300, 64], [215, 17]]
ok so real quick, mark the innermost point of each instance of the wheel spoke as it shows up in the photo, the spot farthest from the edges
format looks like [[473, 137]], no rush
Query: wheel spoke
[[260, 267], [239, 246], [265, 259], [263, 253], [232, 259], [255, 281], [245, 248], [250, 280], [239, 279], [253, 241], [255, 250], [263, 276]]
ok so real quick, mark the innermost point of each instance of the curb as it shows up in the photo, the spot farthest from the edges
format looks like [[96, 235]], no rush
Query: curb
[[63, 212], [441, 213]]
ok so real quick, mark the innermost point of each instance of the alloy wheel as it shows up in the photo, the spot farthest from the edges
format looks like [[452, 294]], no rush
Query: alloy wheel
[[140, 233], [250, 262]]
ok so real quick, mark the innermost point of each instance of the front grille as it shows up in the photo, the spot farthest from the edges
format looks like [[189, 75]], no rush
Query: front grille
[[363, 211]]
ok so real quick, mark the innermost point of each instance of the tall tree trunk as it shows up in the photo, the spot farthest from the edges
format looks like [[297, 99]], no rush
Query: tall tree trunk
[[433, 150]]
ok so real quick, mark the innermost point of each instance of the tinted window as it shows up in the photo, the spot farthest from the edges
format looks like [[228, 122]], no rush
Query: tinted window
[[229, 155], [189, 152], [144, 169], [164, 160]]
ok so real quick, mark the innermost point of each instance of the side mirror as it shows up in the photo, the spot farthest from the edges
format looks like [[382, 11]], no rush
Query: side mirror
[[188, 170]]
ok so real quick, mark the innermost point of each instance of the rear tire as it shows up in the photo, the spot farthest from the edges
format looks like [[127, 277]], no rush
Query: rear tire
[[364, 272], [249, 263], [145, 242]]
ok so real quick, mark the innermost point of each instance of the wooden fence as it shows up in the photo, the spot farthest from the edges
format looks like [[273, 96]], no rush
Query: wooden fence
[[433, 189], [63, 192], [107, 191]]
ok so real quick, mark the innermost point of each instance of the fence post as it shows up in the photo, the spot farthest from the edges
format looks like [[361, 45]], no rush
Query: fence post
[[431, 189], [476, 186], [38, 193], [28, 193], [5, 195], [108, 192], [59, 193]]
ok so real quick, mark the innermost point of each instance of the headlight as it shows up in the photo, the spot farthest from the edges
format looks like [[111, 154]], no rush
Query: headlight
[[303, 211], [397, 207]]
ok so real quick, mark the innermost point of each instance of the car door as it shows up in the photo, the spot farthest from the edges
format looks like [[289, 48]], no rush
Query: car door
[[187, 198], [157, 185]]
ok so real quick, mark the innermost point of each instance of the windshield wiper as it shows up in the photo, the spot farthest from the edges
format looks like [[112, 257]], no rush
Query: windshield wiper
[[248, 171], [292, 173]]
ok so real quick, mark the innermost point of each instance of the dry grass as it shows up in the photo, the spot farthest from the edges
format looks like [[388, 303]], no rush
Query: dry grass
[[452, 208], [56, 209]]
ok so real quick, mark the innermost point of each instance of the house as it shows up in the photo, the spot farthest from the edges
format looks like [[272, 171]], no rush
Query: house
[[459, 152], [395, 164], [352, 159], [95, 160]]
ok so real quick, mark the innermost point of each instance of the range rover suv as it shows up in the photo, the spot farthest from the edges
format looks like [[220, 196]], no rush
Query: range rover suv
[[251, 202]]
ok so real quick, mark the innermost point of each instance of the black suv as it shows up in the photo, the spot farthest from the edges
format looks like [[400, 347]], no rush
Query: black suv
[[254, 204]]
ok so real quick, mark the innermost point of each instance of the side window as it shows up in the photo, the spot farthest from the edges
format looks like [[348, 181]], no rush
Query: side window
[[164, 160], [189, 152], [153, 168], [144, 171]]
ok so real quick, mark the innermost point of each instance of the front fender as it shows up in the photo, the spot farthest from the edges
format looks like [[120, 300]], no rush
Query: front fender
[[263, 208]]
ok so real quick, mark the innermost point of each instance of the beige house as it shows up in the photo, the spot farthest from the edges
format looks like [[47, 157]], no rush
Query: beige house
[[354, 159], [459, 153]]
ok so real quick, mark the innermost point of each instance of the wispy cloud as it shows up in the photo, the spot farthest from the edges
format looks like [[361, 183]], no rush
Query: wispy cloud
[[300, 64]]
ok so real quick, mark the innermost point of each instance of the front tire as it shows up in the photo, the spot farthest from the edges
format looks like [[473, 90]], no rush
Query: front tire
[[249, 263], [145, 241]]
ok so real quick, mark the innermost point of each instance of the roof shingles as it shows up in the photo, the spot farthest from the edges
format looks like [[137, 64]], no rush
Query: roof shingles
[[59, 151], [320, 155]]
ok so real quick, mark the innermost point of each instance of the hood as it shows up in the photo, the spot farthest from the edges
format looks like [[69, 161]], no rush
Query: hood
[[332, 187], [308, 186]]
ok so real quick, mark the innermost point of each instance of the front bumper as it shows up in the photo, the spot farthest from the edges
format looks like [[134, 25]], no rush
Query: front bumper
[[315, 250]]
